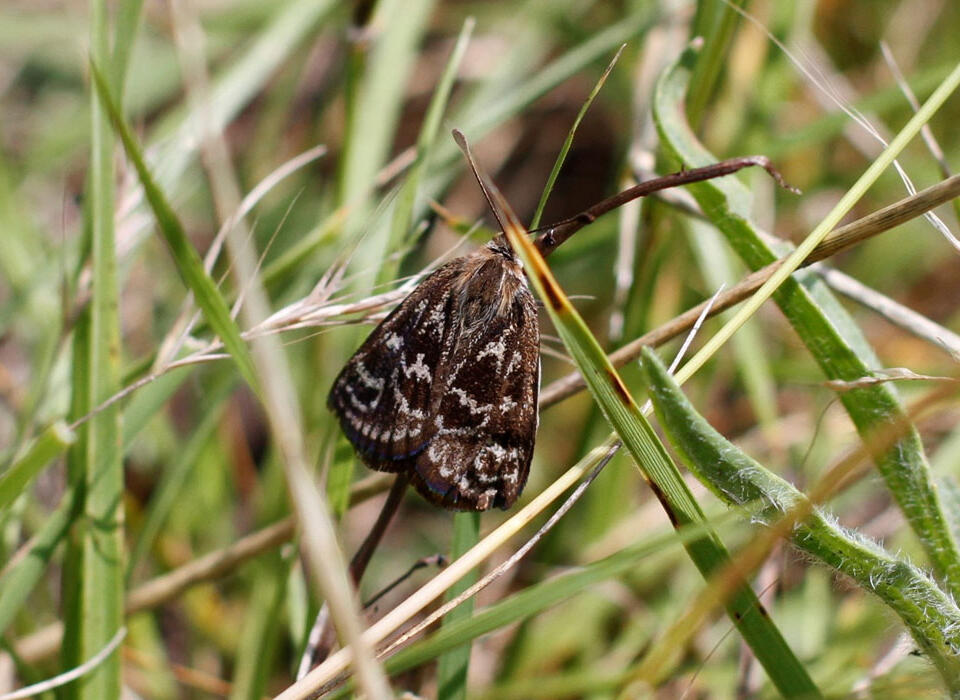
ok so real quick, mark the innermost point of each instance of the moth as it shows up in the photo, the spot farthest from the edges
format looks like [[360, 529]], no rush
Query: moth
[[445, 389]]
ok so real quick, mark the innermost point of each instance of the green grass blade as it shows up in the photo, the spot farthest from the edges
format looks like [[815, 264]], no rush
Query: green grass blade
[[455, 661], [188, 262], [176, 476], [99, 613], [832, 338], [477, 122], [715, 23], [374, 103], [17, 583], [568, 142], [237, 85], [71, 585], [53, 442], [622, 412], [930, 615], [128, 19], [261, 629]]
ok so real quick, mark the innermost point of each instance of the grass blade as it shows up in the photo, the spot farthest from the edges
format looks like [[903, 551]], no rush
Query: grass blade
[[404, 205], [537, 598], [455, 661], [624, 415], [96, 612], [261, 629], [47, 447], [930, 615], [833, 339], [188, 262], [176, 476], [715, 22], [237, 85], [17, 583], [374, 102], [568, 142]]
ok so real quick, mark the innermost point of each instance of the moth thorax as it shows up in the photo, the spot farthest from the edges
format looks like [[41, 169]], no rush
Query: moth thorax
[[488, 285]]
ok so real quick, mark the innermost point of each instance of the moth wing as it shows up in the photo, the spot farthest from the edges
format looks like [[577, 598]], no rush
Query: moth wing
[[382, 396], [486, 414]]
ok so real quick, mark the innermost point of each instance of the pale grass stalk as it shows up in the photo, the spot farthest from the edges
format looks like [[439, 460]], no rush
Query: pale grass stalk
[[300, 314], [180, 329], [279, 397]]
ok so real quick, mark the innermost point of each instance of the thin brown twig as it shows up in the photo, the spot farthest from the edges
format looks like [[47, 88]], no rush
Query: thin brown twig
[[549, 238]]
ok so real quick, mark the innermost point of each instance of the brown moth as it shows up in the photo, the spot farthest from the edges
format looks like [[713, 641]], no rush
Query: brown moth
[[445, 388]]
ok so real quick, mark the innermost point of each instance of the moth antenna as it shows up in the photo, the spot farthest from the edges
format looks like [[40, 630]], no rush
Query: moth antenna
[[498, 203], [486, 184], [503, 211]]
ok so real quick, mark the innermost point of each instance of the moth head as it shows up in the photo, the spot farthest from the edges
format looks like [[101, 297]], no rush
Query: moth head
[[500, 245]]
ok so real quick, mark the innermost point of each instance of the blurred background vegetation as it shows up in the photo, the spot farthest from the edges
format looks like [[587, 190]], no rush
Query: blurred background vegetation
[[199, 468]]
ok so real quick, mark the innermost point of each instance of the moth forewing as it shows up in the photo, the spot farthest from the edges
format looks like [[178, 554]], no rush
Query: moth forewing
[[445, 388], [382, 396]]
